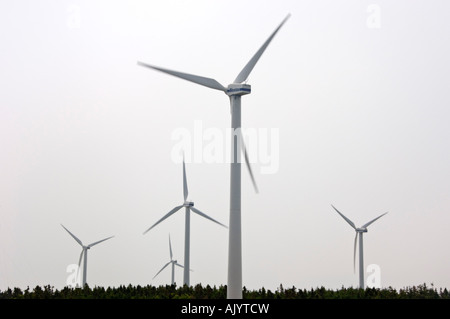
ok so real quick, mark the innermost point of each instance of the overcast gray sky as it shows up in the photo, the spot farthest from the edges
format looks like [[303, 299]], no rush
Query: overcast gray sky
[[357, 91]]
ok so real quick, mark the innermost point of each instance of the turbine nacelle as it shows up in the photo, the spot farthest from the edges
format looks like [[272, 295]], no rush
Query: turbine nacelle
[[188, 204], [361, 230], [238, 89]]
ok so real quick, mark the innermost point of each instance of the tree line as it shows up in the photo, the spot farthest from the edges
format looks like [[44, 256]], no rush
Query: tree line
[[207, 292]]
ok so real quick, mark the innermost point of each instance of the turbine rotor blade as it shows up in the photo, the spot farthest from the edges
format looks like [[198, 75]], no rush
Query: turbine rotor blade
[[162, 269], [206, 216], [247, 162], [346, 219], [170, 248], [185, 187], [177, 264], [167, 215], [208, 82], [81, 257], [243, 75], [79, 264], [98, 242], [367, 224], [74, 237], [354, 253]]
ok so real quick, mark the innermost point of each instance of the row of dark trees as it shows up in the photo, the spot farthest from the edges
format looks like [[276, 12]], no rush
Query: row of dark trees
[[199, 292]]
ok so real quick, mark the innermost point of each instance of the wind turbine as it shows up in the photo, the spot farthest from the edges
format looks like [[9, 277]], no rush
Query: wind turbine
[[234, 90], [188, 207], [173, 262], [84, 252], [359, 231]]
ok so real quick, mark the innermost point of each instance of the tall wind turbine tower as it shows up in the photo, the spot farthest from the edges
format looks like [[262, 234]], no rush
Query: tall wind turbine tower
[[234, 91], [359, 234]]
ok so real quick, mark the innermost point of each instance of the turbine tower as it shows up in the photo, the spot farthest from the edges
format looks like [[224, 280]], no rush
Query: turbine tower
[[187, 232], [359, 233], [84, 254], [234, 91], [173, 262]]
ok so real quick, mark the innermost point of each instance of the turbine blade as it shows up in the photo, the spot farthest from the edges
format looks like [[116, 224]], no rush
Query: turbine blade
[[247, 162], [208, 82], [346, 219], [74, 237], [79, 265], [167, 215], [365, 225], [177, 264], [185, 187], [79, 260], [161, 269], [170, 248], [354, 253], [206, 216], [243, 75], [98, 242]]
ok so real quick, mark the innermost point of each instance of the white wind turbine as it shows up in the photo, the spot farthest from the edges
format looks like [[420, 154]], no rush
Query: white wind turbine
[[173, 262], [359, 231], [234, 91], [84, 253], [188, 207]]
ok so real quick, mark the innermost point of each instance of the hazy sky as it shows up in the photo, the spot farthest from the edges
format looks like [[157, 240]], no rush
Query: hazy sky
[[356, 94]]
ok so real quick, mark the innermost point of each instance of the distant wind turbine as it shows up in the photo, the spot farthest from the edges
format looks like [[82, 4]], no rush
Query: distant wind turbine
[[234, 91], [359, 231], [173, 262], [188, 207], [84, 252]]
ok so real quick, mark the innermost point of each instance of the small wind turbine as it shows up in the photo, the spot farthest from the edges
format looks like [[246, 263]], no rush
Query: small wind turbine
[[173, 262], [359, 231], [188, 207], [234, 91], [84, 252]]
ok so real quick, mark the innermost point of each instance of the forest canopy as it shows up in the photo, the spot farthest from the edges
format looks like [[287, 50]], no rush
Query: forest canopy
[[207, 292]]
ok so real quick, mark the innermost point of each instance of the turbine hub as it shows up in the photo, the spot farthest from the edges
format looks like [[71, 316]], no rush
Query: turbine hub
[[238, 89]]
